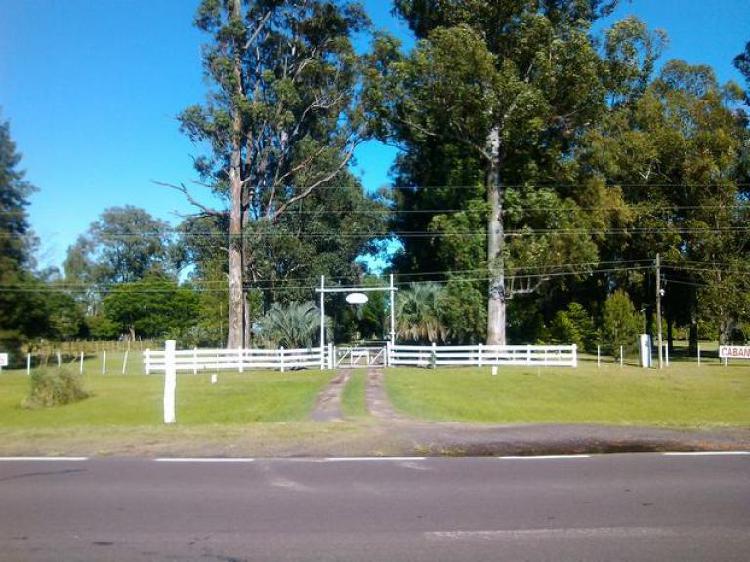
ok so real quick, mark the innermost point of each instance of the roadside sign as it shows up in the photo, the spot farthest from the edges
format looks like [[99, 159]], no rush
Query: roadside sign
[[356, 298], [3, 359], [734, 351]]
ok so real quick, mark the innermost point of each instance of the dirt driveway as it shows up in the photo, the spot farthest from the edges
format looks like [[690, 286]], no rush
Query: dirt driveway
[[450, 438]]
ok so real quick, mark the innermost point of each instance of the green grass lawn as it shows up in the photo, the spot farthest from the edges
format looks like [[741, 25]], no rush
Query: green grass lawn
[[113, 363], [353, 398], [136, 400], [684, 395]]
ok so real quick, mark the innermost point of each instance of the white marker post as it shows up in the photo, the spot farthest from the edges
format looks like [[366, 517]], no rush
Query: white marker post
[[80, 368], [621, 359], [104, 362], [28, 363], [125, 362], [699, 355], [170, 381], [598, 355]]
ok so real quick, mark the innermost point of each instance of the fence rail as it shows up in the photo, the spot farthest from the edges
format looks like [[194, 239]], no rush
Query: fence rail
[[483, 355], [240, 360]]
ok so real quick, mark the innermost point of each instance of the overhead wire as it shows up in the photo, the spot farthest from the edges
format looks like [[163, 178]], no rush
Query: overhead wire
[[432, 234], [550, 274]]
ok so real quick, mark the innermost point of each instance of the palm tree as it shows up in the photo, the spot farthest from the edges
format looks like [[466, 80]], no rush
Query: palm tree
[[418, 315], [293, 326]]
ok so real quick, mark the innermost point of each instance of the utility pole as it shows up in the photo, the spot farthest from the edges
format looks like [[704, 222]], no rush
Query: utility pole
[[658, 308]]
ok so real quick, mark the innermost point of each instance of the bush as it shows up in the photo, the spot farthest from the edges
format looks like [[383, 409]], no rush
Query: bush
[[54, 387], [574, 325], [621, 324], [293, 326]]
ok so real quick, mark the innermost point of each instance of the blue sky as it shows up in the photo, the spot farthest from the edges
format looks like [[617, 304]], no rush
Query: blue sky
[[92, 89]]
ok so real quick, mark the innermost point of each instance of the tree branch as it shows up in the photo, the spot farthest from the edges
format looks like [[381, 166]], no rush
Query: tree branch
[[208, 211], [314, 185]]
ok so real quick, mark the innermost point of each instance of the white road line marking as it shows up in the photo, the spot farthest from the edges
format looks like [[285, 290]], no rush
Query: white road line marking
[[43, 459], [205, 460], [572, 533], [366, 459], [544, 457], [705, 453]]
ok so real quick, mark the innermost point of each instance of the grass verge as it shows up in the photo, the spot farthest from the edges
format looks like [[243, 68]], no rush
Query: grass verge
[[136, 400], [684, 395]]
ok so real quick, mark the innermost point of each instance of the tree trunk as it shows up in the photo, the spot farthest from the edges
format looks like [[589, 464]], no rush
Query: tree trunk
[[236, 302], [495, 245], [670, 334], [693, 333], [247, 320], [236, 308]]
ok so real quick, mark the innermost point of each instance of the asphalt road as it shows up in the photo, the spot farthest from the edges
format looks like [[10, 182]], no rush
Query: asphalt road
[[614, 507]]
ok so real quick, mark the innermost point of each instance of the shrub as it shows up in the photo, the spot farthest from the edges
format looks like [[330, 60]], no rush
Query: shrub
[[574, 325], [564, 331], [292, 326], [621, 324], [54, 387]]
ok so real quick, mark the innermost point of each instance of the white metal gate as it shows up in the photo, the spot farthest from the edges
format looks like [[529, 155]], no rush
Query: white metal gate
[[360, 356]]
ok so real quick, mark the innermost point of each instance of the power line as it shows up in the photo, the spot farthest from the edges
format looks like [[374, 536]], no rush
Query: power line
[[313, 287], [709, 270], [688, 283], [607, 184], [253, 284], [433, 234]]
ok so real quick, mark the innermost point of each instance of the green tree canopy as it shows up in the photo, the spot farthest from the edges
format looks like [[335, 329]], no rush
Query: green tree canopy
[[489, 110], [282, 120], [124, 245], [151, 307], [20, 315]]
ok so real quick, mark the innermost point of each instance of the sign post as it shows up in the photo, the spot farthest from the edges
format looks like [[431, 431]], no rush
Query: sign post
[[170, 381], [727, 352]]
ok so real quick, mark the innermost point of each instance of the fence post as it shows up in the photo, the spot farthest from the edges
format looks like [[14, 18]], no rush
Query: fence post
[[104, 362], [80, 368], [28, 363], [331, 356], [146, 356], [322, 357], [433, 356], [195, 360], [125, 362], [170, 381], [281, 355], [528, 354], [387, 354], [480, 355], [575, 356], [699, 355], [239, 358]]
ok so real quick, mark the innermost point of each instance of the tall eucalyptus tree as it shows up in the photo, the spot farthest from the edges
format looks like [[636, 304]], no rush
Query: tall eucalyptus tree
[[281, 119], [493, 100]]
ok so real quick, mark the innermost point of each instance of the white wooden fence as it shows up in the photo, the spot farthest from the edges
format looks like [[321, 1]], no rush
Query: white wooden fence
[[240, 360], [200, 360], [483, 355]]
